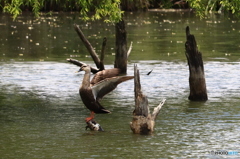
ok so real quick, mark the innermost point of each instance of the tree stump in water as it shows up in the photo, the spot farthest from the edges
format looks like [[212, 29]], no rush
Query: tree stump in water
[[121, 47], [143, 122], [93, 125], [198, 91]]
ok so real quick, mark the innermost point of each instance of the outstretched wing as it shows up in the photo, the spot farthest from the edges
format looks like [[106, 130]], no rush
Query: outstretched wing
[[101, 75], [104, 87]]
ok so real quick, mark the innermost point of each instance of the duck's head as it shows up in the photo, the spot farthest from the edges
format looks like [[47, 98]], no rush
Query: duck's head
[[85, 68]]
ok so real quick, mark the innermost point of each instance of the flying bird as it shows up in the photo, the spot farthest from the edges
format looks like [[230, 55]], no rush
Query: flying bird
[[92, 91]]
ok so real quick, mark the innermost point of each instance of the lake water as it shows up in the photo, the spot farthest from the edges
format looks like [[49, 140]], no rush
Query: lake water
[[41, 113]]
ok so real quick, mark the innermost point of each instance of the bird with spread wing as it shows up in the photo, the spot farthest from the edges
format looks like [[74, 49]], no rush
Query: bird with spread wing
[[92, 91]]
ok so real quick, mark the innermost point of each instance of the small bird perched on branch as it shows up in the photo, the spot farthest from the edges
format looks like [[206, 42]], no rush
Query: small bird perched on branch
[[102, 83]]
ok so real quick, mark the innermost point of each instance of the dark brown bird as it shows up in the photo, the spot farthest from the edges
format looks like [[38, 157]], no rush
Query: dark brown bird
[[102, 83]]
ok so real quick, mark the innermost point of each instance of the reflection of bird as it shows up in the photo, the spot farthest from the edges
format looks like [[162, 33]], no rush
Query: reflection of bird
[[102, 83]]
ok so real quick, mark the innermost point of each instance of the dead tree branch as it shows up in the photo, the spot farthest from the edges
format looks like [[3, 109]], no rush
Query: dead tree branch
[[198, 91], [129, 49], [103, 53], [88, 46], [78, 63], [143, 122]]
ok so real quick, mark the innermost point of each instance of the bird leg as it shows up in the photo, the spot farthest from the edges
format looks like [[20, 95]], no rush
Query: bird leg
[[90, 118]]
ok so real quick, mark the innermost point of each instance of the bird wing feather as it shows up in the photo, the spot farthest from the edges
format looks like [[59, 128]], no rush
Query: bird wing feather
[[101, 75], [106, 86]]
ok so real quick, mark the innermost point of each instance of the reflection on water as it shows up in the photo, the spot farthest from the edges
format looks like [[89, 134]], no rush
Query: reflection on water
[[42, 116], [155, 36]]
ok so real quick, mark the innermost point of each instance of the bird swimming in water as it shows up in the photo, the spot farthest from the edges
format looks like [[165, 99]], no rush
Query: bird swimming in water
[[102, 83]]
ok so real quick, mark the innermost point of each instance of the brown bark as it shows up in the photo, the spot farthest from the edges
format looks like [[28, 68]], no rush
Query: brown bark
[[78, 63], [88, 46], [93, 125], [143, 122], [141, 101], [198, 91], [102, 54], [121, 47]]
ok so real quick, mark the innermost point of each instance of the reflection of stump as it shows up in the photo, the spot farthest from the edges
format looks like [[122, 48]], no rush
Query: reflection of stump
[[143, 122], [198, 91]]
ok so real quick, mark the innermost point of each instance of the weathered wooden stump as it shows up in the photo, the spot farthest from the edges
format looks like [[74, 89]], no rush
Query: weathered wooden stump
[[143, 122], [121, 47], [93, 125], [198, 91]]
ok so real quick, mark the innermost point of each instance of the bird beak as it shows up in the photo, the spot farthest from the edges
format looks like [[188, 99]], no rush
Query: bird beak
[[79, 70]]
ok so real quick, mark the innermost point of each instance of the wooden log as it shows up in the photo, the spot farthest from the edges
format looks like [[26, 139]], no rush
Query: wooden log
[[198, 91], [93, 125], [78, 63], [143, 122], [102, 54], [141, 101], [88, 46], [121, 47]]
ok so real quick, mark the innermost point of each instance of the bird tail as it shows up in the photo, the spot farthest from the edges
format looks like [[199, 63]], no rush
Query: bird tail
[[101, 109]]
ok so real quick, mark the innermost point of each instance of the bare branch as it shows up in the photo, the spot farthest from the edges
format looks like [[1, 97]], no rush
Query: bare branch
[[157, 109], [130, 49], [78, 63], [88, 46]]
